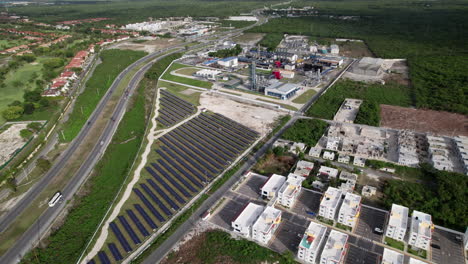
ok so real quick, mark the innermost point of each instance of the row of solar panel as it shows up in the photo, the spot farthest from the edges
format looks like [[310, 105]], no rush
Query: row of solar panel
[[173, 109]]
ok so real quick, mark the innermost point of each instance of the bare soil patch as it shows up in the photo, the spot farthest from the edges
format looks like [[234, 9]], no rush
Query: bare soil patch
[[420, 120], [148, 46], [11, 141], [355, 49], [249, 38], [273, 164]]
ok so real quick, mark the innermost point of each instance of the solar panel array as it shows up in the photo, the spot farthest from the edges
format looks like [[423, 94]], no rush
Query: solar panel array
[[173, 109], [190, 156]]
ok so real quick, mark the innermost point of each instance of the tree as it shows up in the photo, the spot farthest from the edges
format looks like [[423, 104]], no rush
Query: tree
[[43, 164], [15, 103], [34, 126], [28, 108], [26, 133], [278, 151], [17, 83], [32, 96], [44, 102], [13, 112]]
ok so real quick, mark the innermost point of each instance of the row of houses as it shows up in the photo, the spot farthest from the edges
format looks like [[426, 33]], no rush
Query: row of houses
[[392, 257]]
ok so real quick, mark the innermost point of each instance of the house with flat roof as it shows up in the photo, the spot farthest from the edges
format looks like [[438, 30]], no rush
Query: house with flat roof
[[327, 171], [420, 230], [303, 168], [271, 187], [242, 223], [290, 189], [315, 152], [330, 203], [350, 210], [392, 257], [266, 225], [335, 248], [311, 243], [282, 90], [397, 223]]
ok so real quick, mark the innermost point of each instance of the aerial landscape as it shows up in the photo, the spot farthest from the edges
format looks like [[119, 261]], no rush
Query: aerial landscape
[[234, 131]]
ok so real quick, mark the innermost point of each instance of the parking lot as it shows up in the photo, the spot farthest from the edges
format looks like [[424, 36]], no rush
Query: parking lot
[[368, 220], [252, 185], [289, 233], [451, 250], [226, 214], [363, 251], [308, 201]]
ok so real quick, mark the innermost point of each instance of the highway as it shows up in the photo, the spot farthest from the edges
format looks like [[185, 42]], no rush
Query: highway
[[32, 236]]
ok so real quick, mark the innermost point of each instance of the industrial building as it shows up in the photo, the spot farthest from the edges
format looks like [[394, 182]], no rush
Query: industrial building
[[334, 49], [282, 90], [311, 243], [242, 224], [228, 62], [266, 225], [330, 203], [420, 230], [270, 189], [398, 222], [392, 257], [303, 168], [290, 189], [335, 248], [208, 74], [350, 209], [368, 66]]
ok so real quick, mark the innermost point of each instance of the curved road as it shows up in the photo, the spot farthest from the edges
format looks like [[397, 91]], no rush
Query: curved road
[[35, 232]]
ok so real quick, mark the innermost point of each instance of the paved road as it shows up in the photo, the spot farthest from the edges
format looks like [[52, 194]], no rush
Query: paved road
[[32, 235]]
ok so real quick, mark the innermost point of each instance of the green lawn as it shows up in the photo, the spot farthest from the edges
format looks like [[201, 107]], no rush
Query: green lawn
[[394, 243], [113, 62], [193, 97], [417, 252], [329, 103], [303, 98], [17, 81], [168, 76]]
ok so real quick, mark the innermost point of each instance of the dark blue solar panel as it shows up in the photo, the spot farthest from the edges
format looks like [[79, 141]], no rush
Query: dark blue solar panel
[[115, 252], [162, 121], [215, 137], [175, 165], [149, 205], [164, 163], [234, 128], [172, 175], [120, 237], [190, 150], [209, 141], [137, 222], [184, 156], [91, 261], [155, 199], [165, 185], [201, 174], [103, 257], [234, 136], [217, 155], [129, 229], [169, 178], [174, 105], [160, 180], [239, 127], [164, 195], [145, 216]]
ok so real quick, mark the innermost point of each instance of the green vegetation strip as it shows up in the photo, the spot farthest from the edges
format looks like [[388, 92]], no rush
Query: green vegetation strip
[[168, 76], [307, 131], [303, 98], [329, 103], [113, 62], [394, 243], [109, 175]]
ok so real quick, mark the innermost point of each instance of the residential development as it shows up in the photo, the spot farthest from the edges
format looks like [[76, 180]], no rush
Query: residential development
[[266, 225], [330, 203], [398, 222], [335, 248], [242, 224], [420, 230], [349, 211], [311, 243]]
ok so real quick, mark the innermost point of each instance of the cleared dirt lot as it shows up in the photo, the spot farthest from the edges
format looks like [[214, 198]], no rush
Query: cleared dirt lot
[[10, 141], [148, 46], [257, 118], [437, 122]]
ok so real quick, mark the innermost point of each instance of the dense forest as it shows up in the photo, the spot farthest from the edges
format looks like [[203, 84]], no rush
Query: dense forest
[[433, 40], [369, 113], [307, 131], [445, 198]]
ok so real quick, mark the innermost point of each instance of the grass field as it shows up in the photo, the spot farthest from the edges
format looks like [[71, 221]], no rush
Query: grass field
[[114, 61], [304, 97], [193, 97], [175, 66], [109, 175], [17, 81], [327, 105]]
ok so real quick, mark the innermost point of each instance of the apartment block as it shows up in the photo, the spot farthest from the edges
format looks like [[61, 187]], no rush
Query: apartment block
[[303, 168], [398, 222], [290, 189], [335, 248], [272, 186], [350, 210], [311, 243], [392, 257], [420, 230], [242, 224], [266, 225], [330, 203]]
